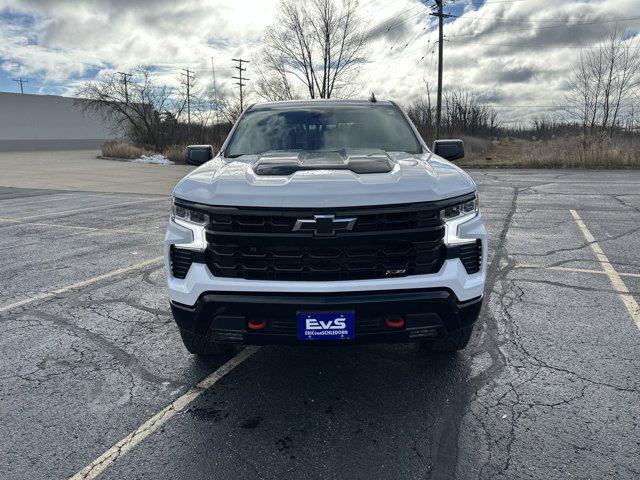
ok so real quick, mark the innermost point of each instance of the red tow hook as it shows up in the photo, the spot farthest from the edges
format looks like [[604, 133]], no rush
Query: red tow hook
[[256, 324], [396, 322]]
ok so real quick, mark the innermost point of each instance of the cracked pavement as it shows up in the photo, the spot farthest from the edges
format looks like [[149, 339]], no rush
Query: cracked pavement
[[547, 389]]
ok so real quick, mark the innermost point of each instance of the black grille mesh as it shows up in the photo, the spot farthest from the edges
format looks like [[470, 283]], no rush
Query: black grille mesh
[[180, 260], [367, 222], [384, 242], [323, 259], [471, 256]]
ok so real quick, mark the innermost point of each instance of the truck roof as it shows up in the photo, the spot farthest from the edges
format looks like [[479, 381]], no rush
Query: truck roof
[[319, 101]]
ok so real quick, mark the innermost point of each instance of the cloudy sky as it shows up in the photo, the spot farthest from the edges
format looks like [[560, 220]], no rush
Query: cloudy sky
[[515, 54]]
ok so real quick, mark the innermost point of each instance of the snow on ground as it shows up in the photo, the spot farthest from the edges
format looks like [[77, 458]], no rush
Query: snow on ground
[[157, 159]]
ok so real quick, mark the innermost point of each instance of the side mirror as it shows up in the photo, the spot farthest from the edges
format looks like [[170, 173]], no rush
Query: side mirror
[[198, 154], [449, 149]]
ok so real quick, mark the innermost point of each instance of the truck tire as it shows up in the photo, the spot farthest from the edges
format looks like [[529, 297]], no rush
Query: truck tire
[[201, 345], [451, 343]]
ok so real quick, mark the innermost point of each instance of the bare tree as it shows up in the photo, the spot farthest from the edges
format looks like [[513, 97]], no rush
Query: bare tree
[[317, 45], [147, 113], [272, 83], [463, 114], [602, 80]]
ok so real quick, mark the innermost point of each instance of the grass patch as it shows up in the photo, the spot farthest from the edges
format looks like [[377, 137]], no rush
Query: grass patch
[[113, 149], [562, 152], [176, 153]]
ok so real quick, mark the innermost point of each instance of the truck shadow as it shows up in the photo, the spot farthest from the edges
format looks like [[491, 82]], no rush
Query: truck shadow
[[375, 411]]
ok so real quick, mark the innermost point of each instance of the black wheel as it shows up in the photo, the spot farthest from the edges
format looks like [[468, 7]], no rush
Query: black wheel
[[453, 342], [201, 345]]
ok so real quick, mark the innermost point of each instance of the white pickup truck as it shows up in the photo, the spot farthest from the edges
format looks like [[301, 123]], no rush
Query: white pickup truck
[[324, 222]]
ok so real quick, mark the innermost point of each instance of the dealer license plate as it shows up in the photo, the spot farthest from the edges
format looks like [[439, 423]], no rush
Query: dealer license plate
[[326, 325]]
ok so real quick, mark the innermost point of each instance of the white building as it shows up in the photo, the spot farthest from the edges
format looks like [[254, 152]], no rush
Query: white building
[[47, 122]]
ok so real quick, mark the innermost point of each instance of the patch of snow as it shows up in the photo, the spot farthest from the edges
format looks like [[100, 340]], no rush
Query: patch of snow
[[155, 159]]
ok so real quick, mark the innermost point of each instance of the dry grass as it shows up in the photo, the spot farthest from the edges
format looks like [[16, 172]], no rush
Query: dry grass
[[113, 149], [175, 153], [565, 152], [581, 153], [475, 146]]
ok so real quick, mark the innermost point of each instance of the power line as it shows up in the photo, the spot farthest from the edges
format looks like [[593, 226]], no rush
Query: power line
[[374, 32], [189, 76], [21, 81], [525, 44], [125, 76], [541, 28], [480, 4], [240, 78], [441, 16], [407, 74], [464, 16], [215, 99]]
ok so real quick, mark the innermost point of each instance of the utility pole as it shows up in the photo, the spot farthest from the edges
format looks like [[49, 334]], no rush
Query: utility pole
[[125, 77], [187, 82], [441, 16], [20, 81], [215, 99], [240, 78]]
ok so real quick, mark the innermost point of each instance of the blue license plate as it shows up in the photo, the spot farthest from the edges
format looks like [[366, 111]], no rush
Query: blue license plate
[[325, 325]]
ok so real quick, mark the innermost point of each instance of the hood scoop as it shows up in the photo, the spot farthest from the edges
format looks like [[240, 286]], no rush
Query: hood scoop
[[358, 161]]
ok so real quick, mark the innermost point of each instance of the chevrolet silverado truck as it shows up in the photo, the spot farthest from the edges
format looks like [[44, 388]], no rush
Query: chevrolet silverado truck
[[325, 222]]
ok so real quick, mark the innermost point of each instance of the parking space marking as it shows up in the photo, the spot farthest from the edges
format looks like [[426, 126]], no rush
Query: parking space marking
[[77, 227], [615, 278], [93, 209], [67, 197], [574, 269], [127, 443], [75, 286], [4, 205]]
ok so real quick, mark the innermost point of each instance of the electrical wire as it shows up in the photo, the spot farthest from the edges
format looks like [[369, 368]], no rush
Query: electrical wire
[[491, 32]]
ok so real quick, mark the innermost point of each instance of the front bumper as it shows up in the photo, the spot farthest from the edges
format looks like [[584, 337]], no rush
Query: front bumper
[[428, 313]]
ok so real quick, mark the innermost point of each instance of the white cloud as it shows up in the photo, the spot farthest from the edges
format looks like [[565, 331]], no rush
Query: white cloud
[[511, 53]]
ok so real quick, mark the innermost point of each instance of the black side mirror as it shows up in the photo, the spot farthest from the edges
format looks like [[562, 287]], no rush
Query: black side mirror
[[449, 149], [198, 154]]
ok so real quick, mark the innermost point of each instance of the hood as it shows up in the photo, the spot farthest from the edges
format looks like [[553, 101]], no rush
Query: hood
[[411, 178]]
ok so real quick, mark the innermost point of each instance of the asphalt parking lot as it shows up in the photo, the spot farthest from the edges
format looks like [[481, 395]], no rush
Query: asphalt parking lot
[[548, 388]]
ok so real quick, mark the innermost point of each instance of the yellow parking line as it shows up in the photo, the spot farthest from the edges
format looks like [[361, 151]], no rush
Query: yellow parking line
[[574, 269], [616, 280], [62, 196], [46, 200], [123, 446], [75, 286], [78, 227], [90, 209]]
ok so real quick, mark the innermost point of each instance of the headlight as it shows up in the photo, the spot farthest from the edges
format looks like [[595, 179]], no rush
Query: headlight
[[468, 208], [454, 216], [188, 215], [193, 220]]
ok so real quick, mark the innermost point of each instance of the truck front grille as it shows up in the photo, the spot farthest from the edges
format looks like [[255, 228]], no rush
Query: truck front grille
[[384, 242], [367, 222], [323, 259]]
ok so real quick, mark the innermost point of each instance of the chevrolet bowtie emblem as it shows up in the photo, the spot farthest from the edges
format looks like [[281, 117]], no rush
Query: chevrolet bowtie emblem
[[324, 225]]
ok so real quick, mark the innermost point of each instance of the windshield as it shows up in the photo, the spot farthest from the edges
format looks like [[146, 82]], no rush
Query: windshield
[[331, 127]]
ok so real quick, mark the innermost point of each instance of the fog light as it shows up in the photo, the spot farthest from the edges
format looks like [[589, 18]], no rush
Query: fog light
[[256, 324], [395, 322]]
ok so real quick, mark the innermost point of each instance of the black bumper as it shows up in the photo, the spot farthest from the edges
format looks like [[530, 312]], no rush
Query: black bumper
[[223, 317]]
